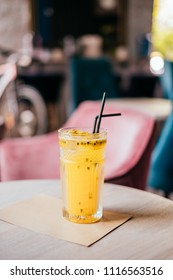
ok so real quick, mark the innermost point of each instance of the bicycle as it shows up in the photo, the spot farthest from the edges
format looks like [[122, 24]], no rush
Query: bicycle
[[23, 112]]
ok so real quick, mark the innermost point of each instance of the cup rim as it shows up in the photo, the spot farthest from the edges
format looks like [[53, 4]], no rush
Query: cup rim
[[101, 134]]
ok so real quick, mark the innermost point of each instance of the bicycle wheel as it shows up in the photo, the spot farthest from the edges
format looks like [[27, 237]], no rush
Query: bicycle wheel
[[33, 115]]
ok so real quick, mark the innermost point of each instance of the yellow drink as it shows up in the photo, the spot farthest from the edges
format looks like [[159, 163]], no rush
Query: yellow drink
[[82, 174]]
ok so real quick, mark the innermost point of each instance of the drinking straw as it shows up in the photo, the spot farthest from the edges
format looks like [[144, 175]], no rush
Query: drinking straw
[[101, 111], [98, 118], [104, 116]]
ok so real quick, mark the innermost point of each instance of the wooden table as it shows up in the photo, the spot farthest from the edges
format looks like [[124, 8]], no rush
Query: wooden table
[[148, 235], [157, 108]]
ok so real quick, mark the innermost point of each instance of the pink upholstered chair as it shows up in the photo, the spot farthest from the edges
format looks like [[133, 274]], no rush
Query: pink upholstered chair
[[130, 143], [30, 158], [131, 138]]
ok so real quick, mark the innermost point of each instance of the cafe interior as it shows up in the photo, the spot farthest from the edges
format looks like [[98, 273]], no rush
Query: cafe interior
[[58, 58]]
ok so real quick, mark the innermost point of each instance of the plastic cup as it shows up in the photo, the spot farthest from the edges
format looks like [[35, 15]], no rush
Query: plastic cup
[[82, 157]]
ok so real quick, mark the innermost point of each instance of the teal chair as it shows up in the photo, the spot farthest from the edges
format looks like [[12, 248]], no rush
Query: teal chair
[[161, 170], [161, 167], [89, 78]]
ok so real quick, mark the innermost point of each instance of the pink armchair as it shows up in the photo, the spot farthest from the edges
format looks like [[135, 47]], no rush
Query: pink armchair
[[30, 158], [131, 138]]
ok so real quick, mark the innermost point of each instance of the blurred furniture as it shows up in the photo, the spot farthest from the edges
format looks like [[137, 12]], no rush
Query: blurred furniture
[[157, 108], [161, 169], [151, 220], [29, 158], [142, 85], [89, 78], [167, 80], [131, 138], [161, 175], [136, 80], [48, 83], [49, 80]]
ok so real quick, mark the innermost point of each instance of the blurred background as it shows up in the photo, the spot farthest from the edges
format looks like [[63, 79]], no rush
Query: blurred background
[[118, 22], [51, 32], [54, 54]]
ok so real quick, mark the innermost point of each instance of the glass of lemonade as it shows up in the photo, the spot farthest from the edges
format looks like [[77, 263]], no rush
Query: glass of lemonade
[[82, 157]]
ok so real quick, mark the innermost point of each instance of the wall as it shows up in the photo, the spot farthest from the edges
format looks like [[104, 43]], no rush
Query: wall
[[15, 20]]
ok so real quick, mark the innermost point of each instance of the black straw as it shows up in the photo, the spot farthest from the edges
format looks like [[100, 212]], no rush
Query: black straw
[[104, 116], [101, 111]]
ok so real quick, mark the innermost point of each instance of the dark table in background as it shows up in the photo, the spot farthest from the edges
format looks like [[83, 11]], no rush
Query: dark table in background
[[136, 80], [48, 79], [52, 81], [131, 81]]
